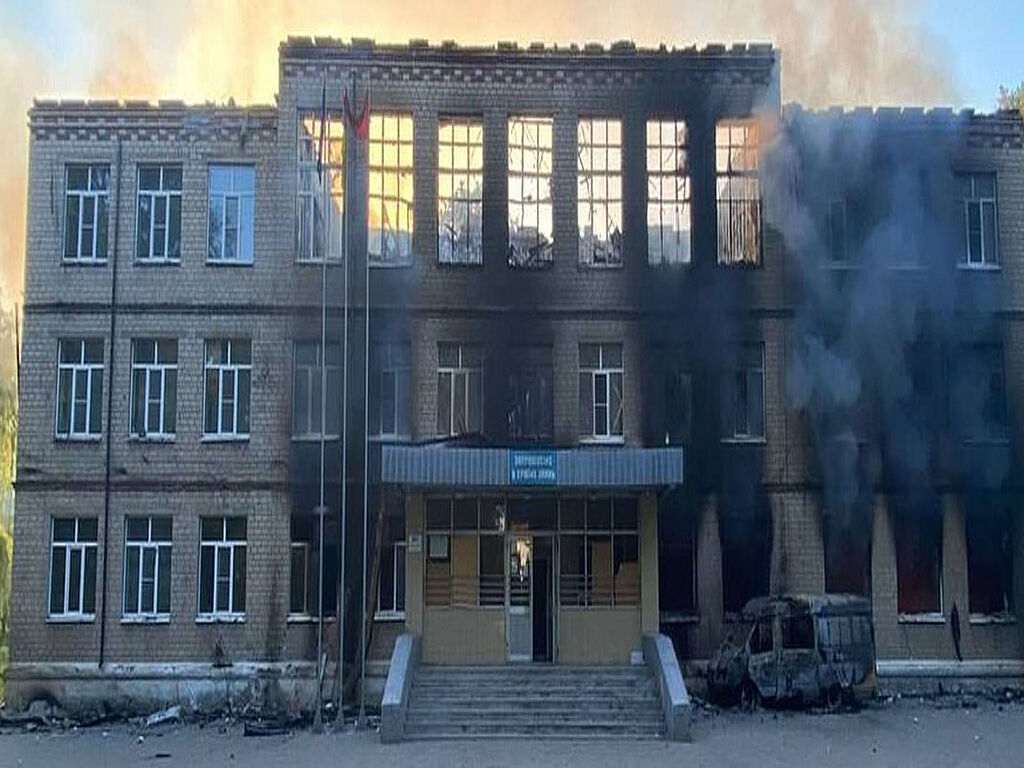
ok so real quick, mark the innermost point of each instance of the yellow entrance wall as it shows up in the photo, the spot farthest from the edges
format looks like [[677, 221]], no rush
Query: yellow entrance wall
[[464, 636], [597, 635]]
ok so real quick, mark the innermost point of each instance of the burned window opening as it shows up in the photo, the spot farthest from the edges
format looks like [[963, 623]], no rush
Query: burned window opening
[[677, 561], [847, 544], [529, 415], [746, 541], [530, 210], [669, 191], [599, 191], [918, 538], [990, 546], [460, 181], [737, 168], [390, 189]]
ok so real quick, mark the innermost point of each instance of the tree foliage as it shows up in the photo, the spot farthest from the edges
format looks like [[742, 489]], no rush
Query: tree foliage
[[1012, 98]]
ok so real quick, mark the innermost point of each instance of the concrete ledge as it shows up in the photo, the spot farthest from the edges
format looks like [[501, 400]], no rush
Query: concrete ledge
[[938, 676], [675, 701], [405, 658]]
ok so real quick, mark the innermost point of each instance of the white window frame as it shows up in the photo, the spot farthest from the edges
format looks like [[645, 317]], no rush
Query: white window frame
[[91, 370], [606, 371], [161, 550], [460, 189], [82, 547], [155, 376], [461, 370], [311, 373], [530, 190], [746, 436], [164, 196], [393, 613], [669, 192], [393, 360], [240, 192], [99, 197], [232, 545], [987, 261], [234, 368], [310, 194], [738, 184], [599, 190], [304, 547], [391, 166]]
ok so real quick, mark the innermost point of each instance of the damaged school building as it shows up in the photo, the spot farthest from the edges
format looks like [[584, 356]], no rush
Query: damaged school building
[[642, 345]]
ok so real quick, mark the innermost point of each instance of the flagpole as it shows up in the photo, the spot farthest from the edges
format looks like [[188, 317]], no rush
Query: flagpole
[[325, 248], [366, 467]]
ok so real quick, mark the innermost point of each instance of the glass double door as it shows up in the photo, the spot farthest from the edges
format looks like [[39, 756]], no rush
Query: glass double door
[[530, 598]]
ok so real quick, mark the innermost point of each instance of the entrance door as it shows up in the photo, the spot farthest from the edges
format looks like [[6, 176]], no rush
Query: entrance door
[[519, 599]]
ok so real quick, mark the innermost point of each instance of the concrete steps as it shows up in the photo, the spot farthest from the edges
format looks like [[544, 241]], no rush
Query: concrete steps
[[534, 701]]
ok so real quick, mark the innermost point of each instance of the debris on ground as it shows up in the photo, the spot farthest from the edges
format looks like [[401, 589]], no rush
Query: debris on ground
[[164, 716]]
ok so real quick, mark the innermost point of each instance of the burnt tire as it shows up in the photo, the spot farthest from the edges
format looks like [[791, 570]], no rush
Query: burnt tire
[[750, 697], [834, 698]]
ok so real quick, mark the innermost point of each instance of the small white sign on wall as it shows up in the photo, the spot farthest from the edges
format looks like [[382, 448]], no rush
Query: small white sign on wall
[[415, 544]]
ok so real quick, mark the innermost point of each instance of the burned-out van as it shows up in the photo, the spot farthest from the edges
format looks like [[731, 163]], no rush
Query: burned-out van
[[802, 649]]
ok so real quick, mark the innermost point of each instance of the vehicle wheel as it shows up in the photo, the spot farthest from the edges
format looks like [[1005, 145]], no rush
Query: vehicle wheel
[[834, 698], [750, 697]]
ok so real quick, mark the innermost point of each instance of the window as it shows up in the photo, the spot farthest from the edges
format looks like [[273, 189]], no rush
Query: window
[[977, 220], [228, 384], [154, 387], [307, 397], [746, 540], [459, 389], [671, 406], [738, 192], [158, 224], [746, 421], [530, 403], [391, 189], [222, 567], [391, 592], [978, 395], [668, 193], [990, 546], [147, 567], [677, 560], [798, 632], [85, 213], [231, 214], [304, 584], [530, 212], [601, 391], [599, 560], [919, 561], [599, 191], [761, 637], [391, 393], [460, 182], [73, 568], [310, 223], [847, 545], [79, 388]]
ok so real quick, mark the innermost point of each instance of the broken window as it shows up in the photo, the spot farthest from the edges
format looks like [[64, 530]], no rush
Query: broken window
[[73, 568], [391, 590], [307, 390], [391, 391], [798, 631], [746, 542], [737, 146], [228, 373], [79, 388], [918, 534], [976, 219], [990, 546], [847, 544], [671, 406], [459, 389], [390, 189], [158, 226], [230, 227], [492, 570], [320, 204], [460, 190], [222, 551], [600, 414], [530, 213], [85, 212], [835, 230], [305, 570], [147, 566], [154, 395], [978, 394], [745, 421], [599, 555], [599, 191], [668, 193], [677, 561], [530, 405]]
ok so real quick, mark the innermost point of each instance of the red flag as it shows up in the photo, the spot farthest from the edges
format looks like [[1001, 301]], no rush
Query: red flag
[[360, 123]]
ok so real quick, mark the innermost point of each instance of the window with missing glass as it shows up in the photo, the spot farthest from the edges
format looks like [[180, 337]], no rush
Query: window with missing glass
[[391, 189], [600, 392], [222, 567], [991, 537], [391, 592], [738, 192], [460, 188], [73, 568], [917, 530], [745, 414], [977, 219], [228, 386], [530, 210], [154, 395], [391, 391], [158, 222], [79, 389], [231, 213], [87, 190], [459, 388], [599, 560], [304, 581], [669, 191], [320, 198], [530, 411], [147, 567], [308, 393], [978, 398], [599, 191]]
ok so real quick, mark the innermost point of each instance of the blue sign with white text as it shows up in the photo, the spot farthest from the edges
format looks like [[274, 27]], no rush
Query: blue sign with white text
[[532, 468]]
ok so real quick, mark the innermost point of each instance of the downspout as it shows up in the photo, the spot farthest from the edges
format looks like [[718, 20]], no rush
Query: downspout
[[110, 400]]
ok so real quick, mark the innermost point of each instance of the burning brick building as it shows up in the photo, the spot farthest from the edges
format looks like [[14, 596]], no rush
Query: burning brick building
[[641, 346]]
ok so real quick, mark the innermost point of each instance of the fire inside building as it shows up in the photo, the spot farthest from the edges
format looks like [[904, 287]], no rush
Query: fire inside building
[[546, 355]]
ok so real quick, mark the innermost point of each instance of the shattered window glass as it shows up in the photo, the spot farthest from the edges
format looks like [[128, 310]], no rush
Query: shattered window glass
[[599, 191], [320, 202], [391, 189], [530, 213], [600, 391], [737, 145], [460, 182], [668, 193]]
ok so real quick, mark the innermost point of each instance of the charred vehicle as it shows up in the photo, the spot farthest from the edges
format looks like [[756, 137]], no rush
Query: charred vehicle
[[798, 649]]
